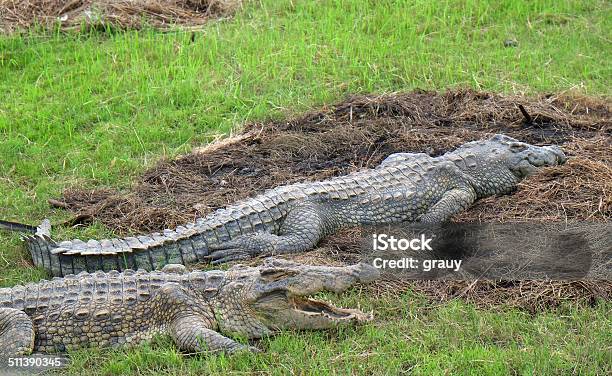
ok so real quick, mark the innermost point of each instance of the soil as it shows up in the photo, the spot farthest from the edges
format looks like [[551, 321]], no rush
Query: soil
[[360, 132]]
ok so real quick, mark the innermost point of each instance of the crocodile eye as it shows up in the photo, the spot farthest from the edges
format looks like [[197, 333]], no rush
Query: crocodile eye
[[272, 274], [517, 147], [502, 138]]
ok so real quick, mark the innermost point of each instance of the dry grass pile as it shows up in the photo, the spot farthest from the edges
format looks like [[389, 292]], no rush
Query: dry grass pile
[[123, 14], [531, 296], [361, 131]]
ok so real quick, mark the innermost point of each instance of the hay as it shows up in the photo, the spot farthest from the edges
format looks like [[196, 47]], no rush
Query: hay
[[531, 296], [361, 131], [122, 14]]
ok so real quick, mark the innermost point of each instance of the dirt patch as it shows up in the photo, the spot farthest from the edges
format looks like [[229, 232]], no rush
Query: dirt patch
[[122, 14], [359, 133]]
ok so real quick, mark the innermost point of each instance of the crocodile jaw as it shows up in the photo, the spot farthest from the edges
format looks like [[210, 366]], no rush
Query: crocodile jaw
[[317, 308], [281, 310], [527, 161], [282, 299]]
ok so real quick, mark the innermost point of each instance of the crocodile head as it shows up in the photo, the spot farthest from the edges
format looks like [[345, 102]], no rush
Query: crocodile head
[[258, 301], [496, 165]]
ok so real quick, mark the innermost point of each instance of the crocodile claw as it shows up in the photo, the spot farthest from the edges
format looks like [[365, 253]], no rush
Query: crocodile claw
[[230, 251], [243, 247], [231, 254]]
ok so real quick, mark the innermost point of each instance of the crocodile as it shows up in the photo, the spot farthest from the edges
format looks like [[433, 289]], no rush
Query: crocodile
[[405, 187], [197, 309]]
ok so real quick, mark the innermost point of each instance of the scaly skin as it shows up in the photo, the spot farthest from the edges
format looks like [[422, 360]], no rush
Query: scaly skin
[[195, 308], [406, 187]]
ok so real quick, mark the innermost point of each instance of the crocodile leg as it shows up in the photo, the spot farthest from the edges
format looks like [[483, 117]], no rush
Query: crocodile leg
[[302, 229], [189, 325], [16, 333], [191, 334], [452, 202]]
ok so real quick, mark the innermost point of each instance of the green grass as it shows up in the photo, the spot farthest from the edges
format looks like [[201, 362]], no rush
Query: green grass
[[95, 110], [408, 338]]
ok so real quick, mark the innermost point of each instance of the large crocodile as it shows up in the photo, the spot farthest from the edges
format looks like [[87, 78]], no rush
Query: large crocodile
[[195, 308], [294, 218]]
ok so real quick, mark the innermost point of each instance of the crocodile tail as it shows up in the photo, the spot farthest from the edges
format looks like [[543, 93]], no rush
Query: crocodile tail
[[183, 245], [149, 252], [14, 226], [38, 240]]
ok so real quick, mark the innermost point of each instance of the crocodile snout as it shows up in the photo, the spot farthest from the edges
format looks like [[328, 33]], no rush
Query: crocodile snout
[[558, 154], [367, 273], [545, 156]]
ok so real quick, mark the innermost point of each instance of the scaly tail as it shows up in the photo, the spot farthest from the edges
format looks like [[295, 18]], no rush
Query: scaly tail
[[39, 243], [150, 252], [184, 244], [18, 227]]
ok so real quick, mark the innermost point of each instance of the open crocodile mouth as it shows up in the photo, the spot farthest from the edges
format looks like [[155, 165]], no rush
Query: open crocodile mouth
[[314, 307], [282, 309]]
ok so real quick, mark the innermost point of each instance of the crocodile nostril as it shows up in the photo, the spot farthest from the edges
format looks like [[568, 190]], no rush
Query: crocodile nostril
[[558, 154]]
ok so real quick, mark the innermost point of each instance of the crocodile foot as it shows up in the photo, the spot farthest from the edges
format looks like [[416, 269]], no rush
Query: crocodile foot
[[243, 247]]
